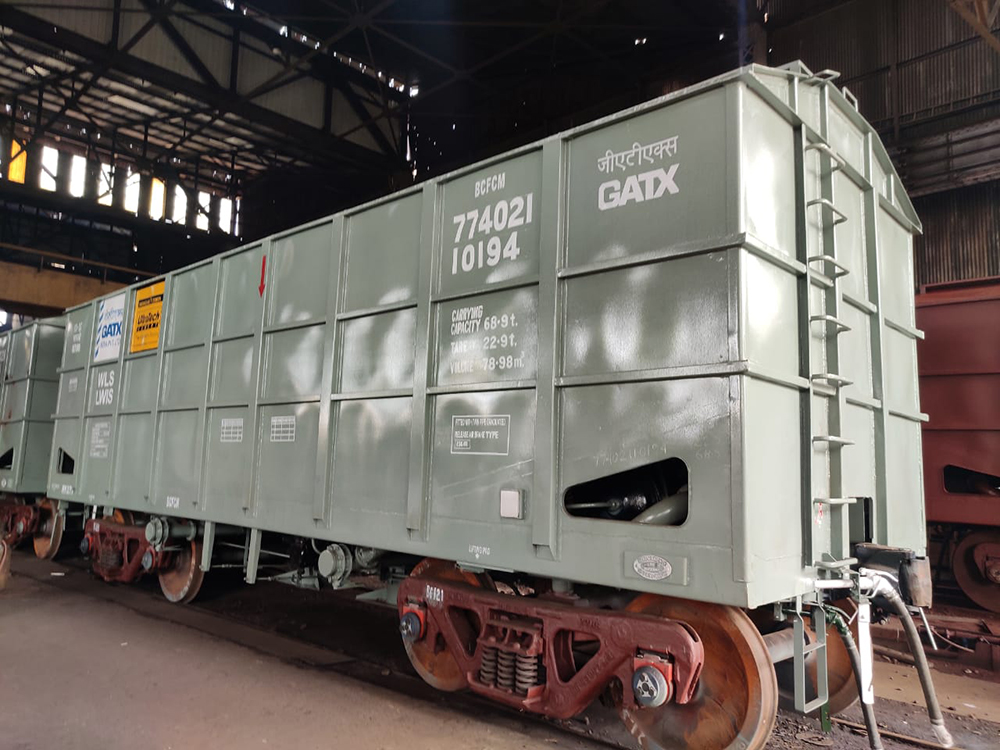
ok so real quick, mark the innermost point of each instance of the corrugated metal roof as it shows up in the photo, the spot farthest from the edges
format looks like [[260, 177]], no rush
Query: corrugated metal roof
[[961, 237]]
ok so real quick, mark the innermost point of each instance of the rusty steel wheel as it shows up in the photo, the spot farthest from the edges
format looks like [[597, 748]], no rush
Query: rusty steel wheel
[[182, 581], [48, 537], [4, 564], [124, 517], [736, 702], [840, 675], [431, 657], [976, 567]]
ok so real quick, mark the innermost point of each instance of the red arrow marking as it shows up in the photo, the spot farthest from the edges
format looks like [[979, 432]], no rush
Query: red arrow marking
[[263, 268]]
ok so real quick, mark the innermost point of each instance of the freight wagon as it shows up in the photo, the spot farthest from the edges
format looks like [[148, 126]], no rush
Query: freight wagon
[[597, 398], [29, 361], [960, 387]]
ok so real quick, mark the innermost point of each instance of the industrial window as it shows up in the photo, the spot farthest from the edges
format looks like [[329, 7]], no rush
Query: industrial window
[[49, 170], [18, 162], [204, 205], [157, 196], [654, 494], [77, 176], [105, 183], [225, 214], [132, 192], [180, 205]]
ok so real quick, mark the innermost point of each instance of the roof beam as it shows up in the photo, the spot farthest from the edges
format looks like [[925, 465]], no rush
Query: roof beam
[[311, 140], [182, 45], [978, 15]]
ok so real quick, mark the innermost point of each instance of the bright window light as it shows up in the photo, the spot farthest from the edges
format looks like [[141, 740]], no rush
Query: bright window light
[[225, 214], [132, 192], [18, 162], [157, 195], [237, 230], [204, 203], [3, 317], [77, 176], [105, 181], [50, 167], [180, 205]]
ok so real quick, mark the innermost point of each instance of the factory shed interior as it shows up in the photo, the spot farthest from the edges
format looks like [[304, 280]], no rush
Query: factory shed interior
[[424, 374]]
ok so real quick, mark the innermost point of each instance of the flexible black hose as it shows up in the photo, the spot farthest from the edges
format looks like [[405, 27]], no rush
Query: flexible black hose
[[920, 662], [867, 710]]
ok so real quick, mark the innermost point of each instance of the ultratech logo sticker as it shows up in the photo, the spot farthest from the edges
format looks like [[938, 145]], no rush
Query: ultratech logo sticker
[[146, 318], [646, 185]]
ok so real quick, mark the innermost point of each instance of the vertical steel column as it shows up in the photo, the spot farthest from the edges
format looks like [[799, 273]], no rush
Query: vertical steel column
[[323, 498], [551, 256], [880, 511], [417, 502]]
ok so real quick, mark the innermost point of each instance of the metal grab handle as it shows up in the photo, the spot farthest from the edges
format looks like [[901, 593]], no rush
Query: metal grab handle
[[835, 441], [828, 150], [841, 325], [826, 202], [836, 381], [835, 500], [836, 564], [842, 270], [827, 74], [851, 98]]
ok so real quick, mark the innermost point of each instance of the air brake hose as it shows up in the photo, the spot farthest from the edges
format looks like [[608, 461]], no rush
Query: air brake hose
[[885, 589], [867, 710]]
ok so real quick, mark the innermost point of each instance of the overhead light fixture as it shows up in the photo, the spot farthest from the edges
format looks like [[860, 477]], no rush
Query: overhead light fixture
[[640, 41], [414, 90], [722, 35]]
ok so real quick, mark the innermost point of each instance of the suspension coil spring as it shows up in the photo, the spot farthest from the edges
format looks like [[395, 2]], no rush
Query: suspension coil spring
[[488, 667], [506, 669], [527, 672]]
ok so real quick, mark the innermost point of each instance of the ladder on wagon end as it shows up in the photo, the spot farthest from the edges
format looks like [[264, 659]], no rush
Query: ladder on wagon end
[[826, 521]]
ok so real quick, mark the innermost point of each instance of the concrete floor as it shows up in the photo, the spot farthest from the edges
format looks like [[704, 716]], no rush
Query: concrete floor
[[86, 665], [80, 673]]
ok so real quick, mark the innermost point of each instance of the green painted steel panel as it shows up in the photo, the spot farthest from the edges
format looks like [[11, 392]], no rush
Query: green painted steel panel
[[695, 278], [29, 390]]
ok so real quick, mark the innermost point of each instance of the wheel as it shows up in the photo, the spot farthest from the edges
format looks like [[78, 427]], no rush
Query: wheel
[[431, 657], [736, 702], [48, 537], [121, 516], [4, 564], [840, 675], [976, 566], [182, 581]]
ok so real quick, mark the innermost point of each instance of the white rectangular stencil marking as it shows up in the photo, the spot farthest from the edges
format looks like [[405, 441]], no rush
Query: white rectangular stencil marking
[[283, 429], [481, 435], [231, 430]]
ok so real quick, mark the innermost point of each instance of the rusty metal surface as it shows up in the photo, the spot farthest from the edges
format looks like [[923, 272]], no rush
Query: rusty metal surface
[[976, 566], [959, 386], [737, 678], [525, 652]]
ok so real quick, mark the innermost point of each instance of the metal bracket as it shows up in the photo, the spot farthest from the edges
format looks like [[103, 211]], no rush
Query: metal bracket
[[835, 441], [842, 270], [802, 650], [840, 216], [840, 325], [831, 379], [207, 546], [253, 555], [825, 148]]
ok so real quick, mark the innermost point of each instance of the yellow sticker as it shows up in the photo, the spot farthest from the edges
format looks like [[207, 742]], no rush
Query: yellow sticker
[[146, 320]]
